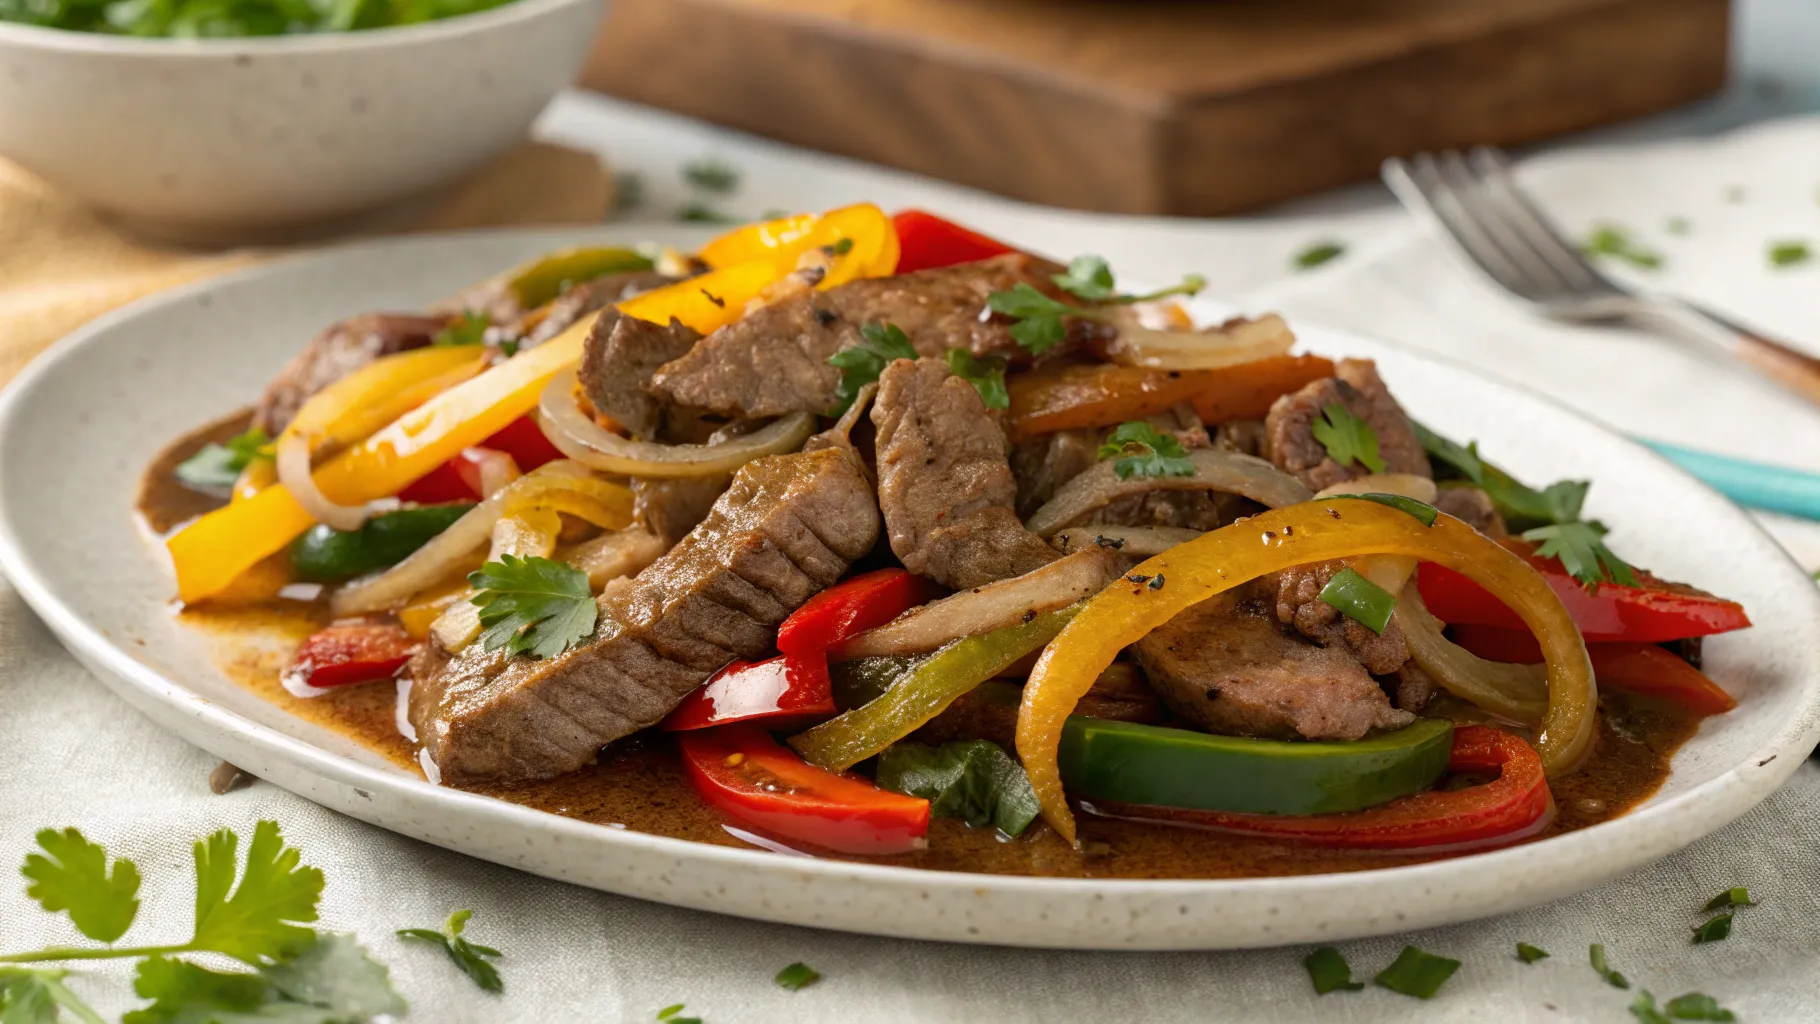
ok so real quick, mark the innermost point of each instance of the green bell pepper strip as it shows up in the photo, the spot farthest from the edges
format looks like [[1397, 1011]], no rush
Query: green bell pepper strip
[[1147, 764], [924, 692], [544, 279], [324, 554]]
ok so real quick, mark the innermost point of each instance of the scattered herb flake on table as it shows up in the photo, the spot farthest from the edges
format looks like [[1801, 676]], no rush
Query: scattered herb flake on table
[[470, 957], [1596, 955], [1330, 972], [1736, 896], [711, 175], [702, 213], [1530, 954], [1317, 254], [1611, 240], [797, 976], [1716, 930], [1790, 254], [1698, 1006], [1417, 973]]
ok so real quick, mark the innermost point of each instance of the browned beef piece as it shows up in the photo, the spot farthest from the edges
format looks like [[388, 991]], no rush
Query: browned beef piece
[[589, 296], [1297, 593], [1227, 666], [1245, 437], [943, 482], [1414, 687], [1044, 463], [788, 527], [616, 367], [1472, 507], [671, 508], [1289, 433], [337, 352], [775, 360]]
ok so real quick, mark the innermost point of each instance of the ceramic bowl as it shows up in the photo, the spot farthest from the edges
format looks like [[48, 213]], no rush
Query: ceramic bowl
[[78, 427], [233, 140]]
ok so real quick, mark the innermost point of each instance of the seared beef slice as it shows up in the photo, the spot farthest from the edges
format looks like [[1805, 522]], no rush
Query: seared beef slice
[[944, 484], [335, 353], [617, 362], [775, 360], [787, 528], [1289, 439], [1227, 666]]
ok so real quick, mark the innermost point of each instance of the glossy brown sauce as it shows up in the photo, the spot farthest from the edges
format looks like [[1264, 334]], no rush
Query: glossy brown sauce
[[639, 783]]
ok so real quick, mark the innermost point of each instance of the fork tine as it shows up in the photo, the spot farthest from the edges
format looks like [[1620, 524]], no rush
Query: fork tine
[[1418, 183], [1544, 282], [1526, 218]]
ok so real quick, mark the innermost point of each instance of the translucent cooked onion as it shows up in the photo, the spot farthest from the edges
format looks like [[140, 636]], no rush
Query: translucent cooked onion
[[588, 443], [295, 473], [1515, 693], [1214, 470], [1241, 341], [1134, 541], [497, 469], [984, 609], [529, 534], [611, 556], [1408, 485], [446, 551]]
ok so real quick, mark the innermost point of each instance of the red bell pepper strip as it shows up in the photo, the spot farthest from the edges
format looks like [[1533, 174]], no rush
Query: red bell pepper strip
[[347, 654], [1635, 667], [746, 774], [459, 478], [848, 609], [785, 692], [1652, 613], [926, 241], [1515, 805]]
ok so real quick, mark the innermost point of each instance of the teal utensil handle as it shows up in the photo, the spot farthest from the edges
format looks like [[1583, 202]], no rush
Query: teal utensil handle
[[1794, 492]]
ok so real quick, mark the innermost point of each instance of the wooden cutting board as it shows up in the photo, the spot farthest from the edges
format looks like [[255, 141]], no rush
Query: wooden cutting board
[[1150, 106]]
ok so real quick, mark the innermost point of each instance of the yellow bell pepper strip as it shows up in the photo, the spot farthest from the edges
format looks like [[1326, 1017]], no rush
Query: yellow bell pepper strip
[[757, 241], [924, 692], [781, 243], [1313, 531], [380, 392]]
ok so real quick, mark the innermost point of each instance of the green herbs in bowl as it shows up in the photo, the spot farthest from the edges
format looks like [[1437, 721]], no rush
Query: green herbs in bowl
[[219, 19]]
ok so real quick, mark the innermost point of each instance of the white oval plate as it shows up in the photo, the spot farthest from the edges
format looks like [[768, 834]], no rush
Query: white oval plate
[[80, 424]]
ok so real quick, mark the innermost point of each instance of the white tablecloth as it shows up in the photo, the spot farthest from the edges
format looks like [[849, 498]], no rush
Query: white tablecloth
[[70, 753]]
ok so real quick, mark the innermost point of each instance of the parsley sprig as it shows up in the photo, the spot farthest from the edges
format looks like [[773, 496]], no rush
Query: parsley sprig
[[985, 373], [881, 343], [215, 467], [1347, 438], [470, 328], [536, 605], [1038, 325], [471, 957], [1144, 451]]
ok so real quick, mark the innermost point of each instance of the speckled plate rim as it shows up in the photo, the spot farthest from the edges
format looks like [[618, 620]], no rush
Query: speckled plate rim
[[905, 902]]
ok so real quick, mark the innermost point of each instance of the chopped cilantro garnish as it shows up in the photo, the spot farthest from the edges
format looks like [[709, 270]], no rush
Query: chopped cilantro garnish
[[1736, 896], [711, 175], [470, 957], [1790, 254], [1317, 254], [1611, 240], [797, 977], [532, 604], [1715, 930], [1595, 954], [1582, 551], [1530, 954], [1347, 438], [973, 780], [1359, 599], [1039, 327], [669, 1015], [1330, 972], [470, 328], [986, 374], [1521, 506], [1698, 1006], [1089, 278], [1144, 451], [1417, 973], [859, 365], [215, 467]]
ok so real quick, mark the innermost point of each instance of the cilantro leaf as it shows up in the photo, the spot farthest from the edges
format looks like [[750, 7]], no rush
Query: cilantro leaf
[[986, 374], [1582, 551], [72, 874], [26, 997], [183, 993], [710, 174], [1144, 451], [1347, 438], [974, 780], [1595, 954], [1317, 254], [215, 467], [533, 604], [797, 977], [470, 957], [1330, 972], [470, 328], [1039, 326], [1698, 1006], [262, 919], [1417, 972], [1088, 277], [881, 343], [1521, 506], [336, 973]]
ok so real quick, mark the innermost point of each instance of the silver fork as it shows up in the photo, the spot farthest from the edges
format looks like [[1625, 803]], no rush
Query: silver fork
[[1502, 231]]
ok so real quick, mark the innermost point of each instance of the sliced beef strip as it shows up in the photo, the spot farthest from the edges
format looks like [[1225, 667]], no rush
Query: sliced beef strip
[[588, 297], [944, 484], [1044, 463], [672, 508], [337, 352], [789, 526], [1297, 595], [621, 354], [775, 360], [1473, 507], [1289, 439], [1225, 665]]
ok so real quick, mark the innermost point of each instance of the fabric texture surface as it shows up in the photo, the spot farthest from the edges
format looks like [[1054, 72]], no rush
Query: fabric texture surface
[[73, 754]]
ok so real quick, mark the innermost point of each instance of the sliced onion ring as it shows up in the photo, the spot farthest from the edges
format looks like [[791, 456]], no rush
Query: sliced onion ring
[[1515, 693], [1214, 470], [295, 473], [1409, 485], [1230, 344], [588, 443]]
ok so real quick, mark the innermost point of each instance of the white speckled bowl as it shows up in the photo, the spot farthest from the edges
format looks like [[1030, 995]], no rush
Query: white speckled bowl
[[79, 425], [232, 140]]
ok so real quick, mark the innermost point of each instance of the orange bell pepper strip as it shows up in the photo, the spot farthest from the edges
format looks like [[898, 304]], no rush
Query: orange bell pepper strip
[[210, 552], [780, 243], [1312, 531], [1104, 395]]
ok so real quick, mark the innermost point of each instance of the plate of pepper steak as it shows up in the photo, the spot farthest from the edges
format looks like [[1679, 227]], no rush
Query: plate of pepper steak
[[865, 572]]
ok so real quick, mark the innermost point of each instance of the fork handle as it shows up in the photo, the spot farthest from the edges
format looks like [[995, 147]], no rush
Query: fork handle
[[1782, 364]]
